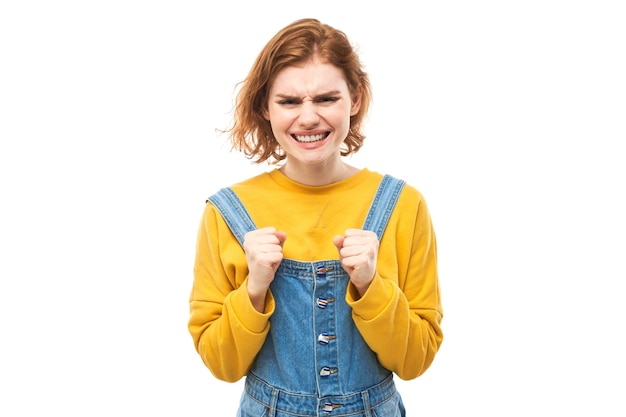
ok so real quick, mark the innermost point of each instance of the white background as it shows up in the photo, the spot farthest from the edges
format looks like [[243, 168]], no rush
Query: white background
[[509, 116]]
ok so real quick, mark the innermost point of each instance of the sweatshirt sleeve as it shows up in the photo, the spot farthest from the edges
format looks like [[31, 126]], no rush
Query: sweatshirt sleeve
[[400, 314], [226, 329]]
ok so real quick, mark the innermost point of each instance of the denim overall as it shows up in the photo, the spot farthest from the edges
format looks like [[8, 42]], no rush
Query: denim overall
[[314, 361]]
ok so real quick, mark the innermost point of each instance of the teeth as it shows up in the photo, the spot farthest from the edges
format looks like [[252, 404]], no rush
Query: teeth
[[312, 138]]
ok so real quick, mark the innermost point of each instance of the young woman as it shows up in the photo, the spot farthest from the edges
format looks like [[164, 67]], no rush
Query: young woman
[[316, 280]]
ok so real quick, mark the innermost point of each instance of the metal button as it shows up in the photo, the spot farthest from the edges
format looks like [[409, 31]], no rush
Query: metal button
[[324, 338], [325, 371], [323, 302], [329, 407], [322, 270]]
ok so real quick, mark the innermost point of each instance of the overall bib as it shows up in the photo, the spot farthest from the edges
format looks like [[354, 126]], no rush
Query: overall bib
[[314, 361]]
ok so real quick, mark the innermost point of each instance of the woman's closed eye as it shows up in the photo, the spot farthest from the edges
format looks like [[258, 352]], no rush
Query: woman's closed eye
[[292, 102]]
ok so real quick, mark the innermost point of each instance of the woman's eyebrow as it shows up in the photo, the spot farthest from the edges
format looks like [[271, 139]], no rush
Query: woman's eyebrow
[[325, 94]]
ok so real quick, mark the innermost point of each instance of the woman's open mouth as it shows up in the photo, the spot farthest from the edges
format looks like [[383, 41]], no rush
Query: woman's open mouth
[[310, 138]]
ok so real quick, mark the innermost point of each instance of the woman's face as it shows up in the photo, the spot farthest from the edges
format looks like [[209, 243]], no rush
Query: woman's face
[[309, 108]]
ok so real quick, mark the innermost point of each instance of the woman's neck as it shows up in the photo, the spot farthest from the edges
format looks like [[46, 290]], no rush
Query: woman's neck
[[318, 175]]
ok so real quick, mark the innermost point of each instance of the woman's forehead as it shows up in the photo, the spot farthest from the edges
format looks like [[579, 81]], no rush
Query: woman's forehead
[[309, 79]]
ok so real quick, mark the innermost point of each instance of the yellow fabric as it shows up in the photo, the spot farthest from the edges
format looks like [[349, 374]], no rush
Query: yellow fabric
[[400, 314]]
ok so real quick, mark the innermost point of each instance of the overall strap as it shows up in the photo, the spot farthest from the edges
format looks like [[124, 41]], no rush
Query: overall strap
[[240, 223], [233, 212], [383, 204]]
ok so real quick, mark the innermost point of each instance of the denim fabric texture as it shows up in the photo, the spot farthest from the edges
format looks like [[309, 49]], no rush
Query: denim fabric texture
[[314, 361]]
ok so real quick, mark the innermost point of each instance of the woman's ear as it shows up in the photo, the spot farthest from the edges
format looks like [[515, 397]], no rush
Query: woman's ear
[[356, 103]]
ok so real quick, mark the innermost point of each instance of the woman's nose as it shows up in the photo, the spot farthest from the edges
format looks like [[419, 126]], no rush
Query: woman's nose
[[308, 113]]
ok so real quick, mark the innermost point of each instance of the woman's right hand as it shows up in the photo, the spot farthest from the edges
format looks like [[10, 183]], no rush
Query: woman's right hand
[[264, 252]]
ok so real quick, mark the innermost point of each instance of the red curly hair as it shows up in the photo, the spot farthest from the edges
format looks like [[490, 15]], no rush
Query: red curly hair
[[296, 43]]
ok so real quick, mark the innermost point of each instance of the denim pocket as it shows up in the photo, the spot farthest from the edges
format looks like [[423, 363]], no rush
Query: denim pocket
[[250, 407], [393, 407]]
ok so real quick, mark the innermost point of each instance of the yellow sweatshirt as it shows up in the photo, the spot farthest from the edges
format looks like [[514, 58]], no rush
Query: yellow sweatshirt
[[400, 314]]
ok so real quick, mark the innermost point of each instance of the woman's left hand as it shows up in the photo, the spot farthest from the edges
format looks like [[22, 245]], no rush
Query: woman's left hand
[[358, 252]]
